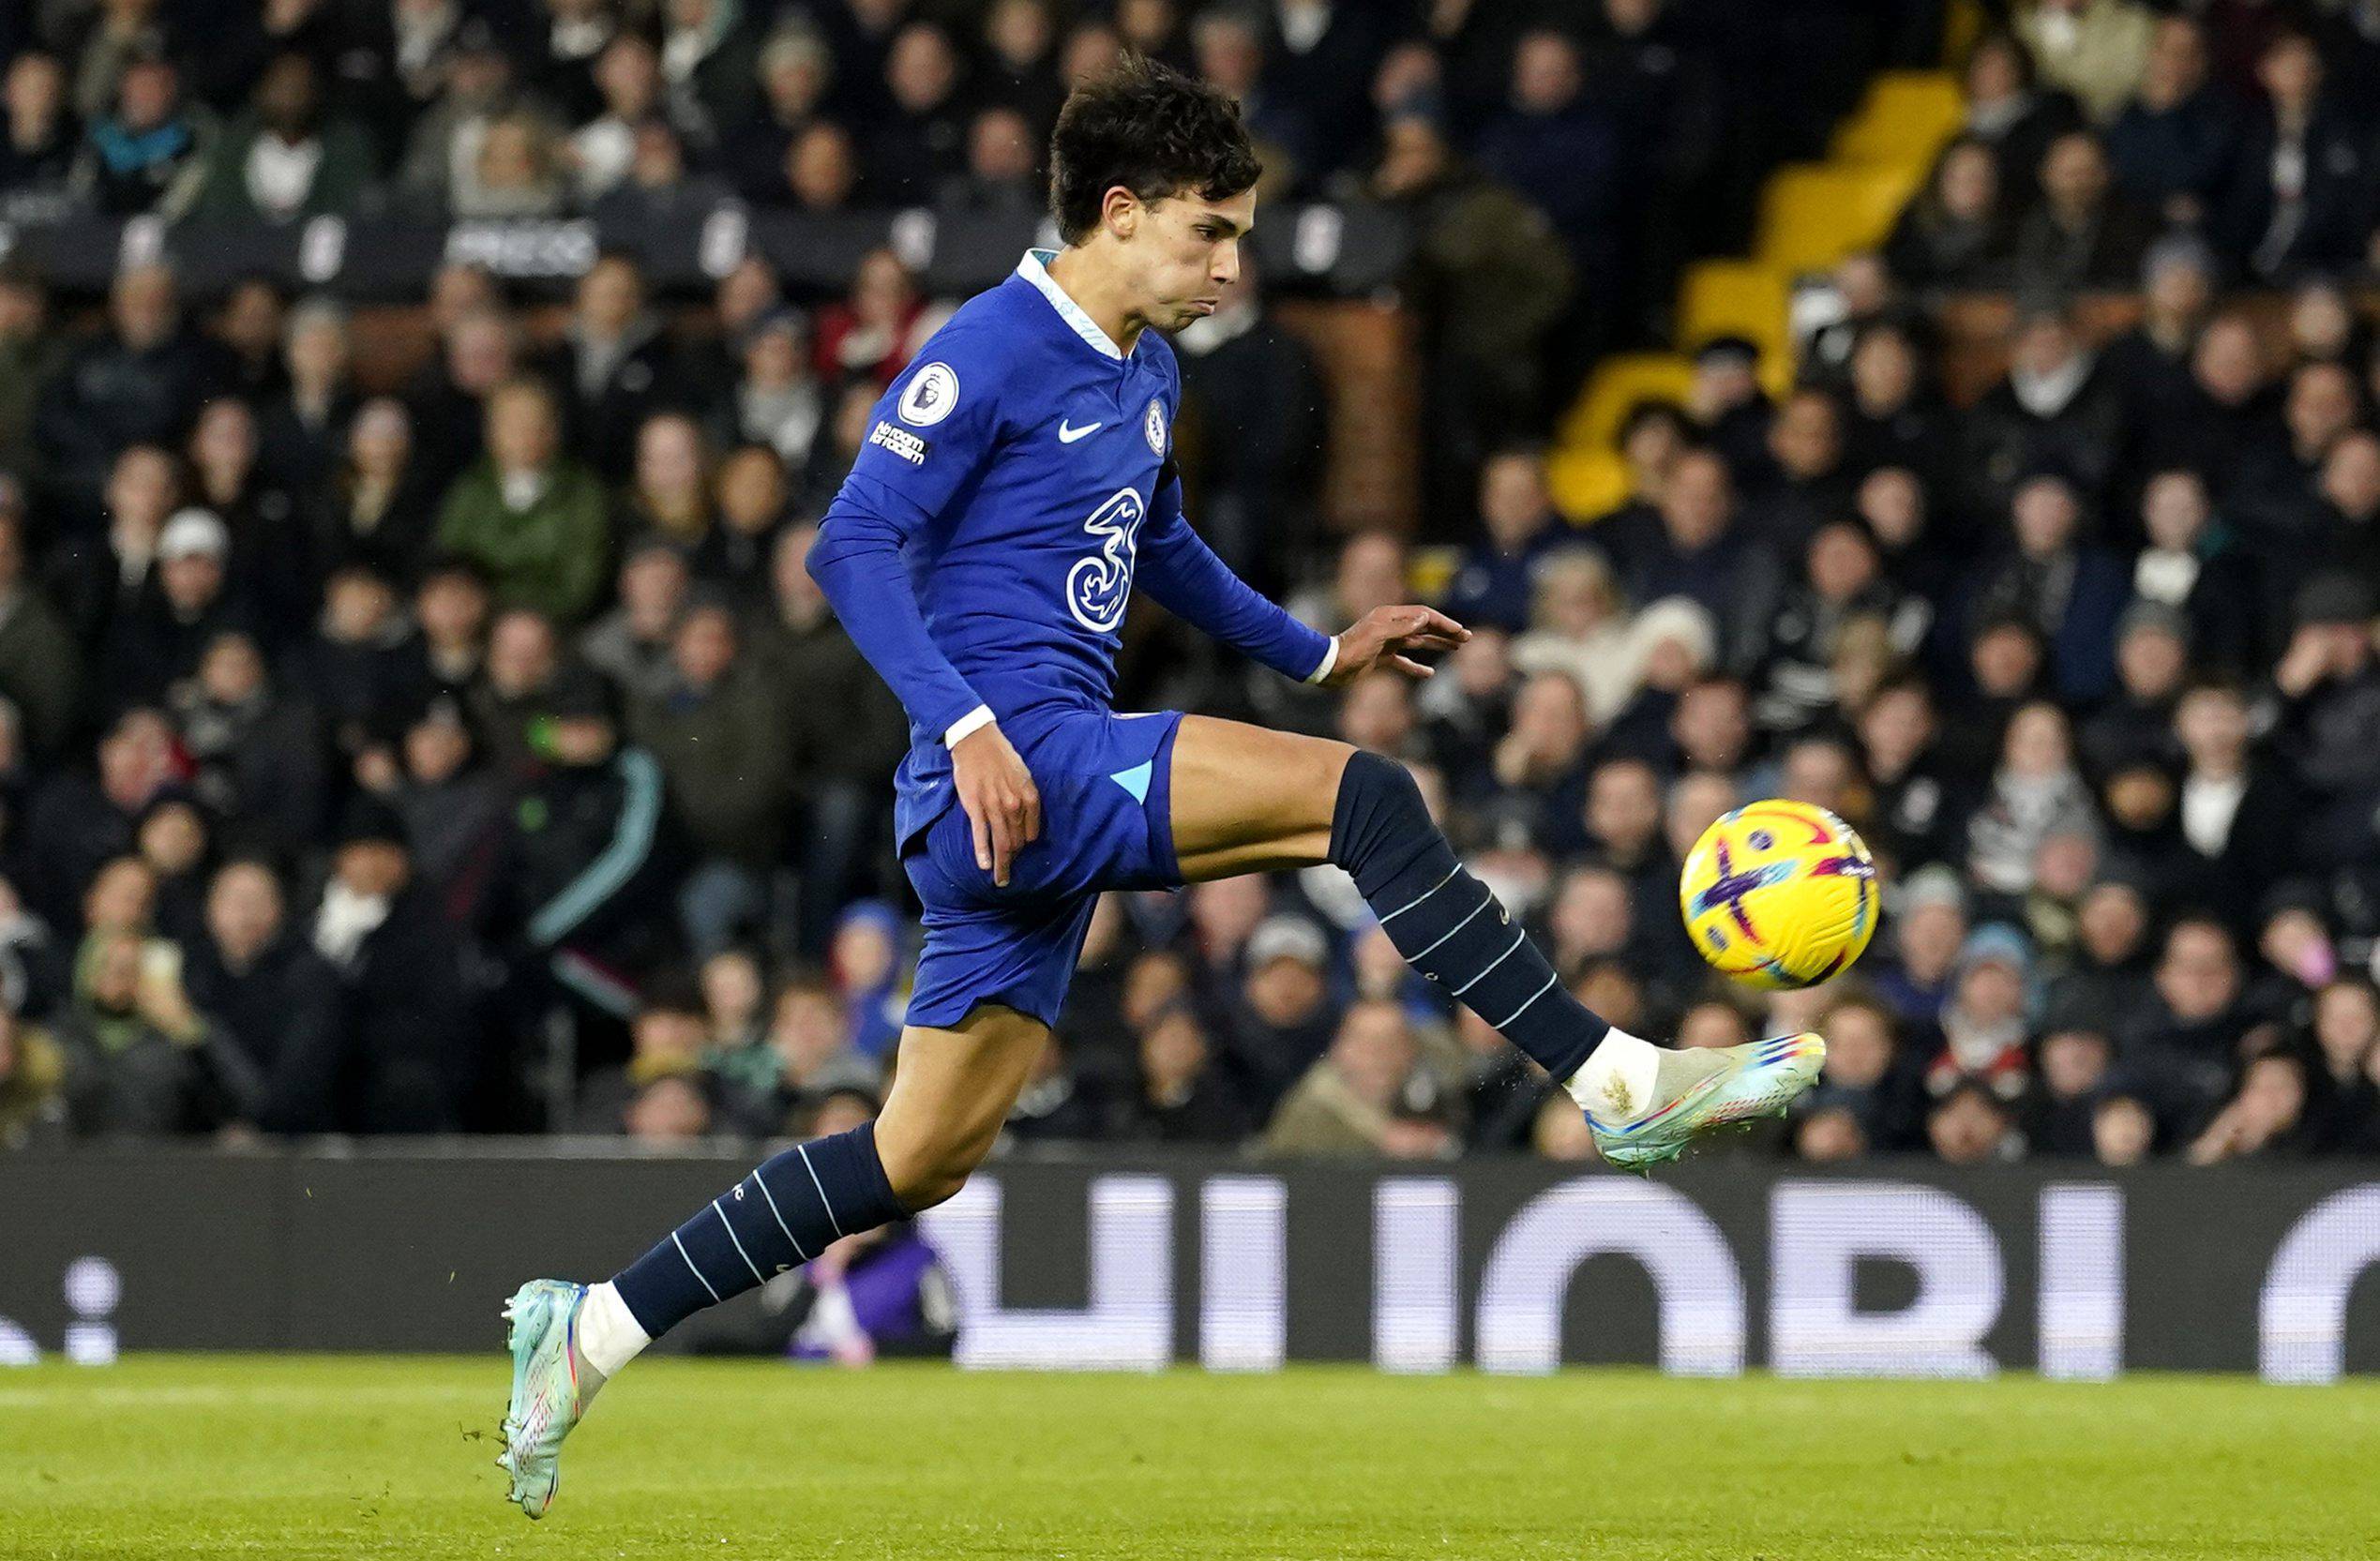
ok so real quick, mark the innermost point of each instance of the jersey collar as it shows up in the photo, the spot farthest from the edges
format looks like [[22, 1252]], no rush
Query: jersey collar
[[1034, 268]]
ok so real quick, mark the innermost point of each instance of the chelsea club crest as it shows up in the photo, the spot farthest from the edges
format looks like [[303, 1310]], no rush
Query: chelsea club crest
[[1154, 427]]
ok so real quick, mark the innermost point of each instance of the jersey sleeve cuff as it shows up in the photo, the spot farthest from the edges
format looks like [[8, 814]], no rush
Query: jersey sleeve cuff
[[974, 720], [1330, 659]]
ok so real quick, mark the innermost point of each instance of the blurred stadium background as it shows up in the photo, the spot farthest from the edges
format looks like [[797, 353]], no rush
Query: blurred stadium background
[[442, 827]]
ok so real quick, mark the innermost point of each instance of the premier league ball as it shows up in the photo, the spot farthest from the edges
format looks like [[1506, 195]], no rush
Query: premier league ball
[[1779, 895]]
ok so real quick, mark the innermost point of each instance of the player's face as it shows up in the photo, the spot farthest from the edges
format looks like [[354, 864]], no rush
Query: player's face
[[1191, 256]]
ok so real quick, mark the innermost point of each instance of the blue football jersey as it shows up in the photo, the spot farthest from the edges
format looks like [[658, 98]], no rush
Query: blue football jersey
[[1019, 470]]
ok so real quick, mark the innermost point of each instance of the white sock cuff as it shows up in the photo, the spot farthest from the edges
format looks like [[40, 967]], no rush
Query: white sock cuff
[[609, 1335], [1615, 1085]]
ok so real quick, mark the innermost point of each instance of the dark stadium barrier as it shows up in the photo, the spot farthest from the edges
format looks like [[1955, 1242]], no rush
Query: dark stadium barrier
[[1132, 1263], [1345, 250]]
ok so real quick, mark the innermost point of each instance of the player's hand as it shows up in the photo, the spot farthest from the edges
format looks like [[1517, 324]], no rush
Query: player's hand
[[1384, 635], [1000, 797]]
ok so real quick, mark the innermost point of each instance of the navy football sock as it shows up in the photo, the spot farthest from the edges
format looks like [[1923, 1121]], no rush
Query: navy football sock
[[1446, 923], [784, 1213]]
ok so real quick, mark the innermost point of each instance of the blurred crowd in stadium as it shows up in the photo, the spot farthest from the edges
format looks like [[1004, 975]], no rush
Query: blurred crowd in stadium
[[482, 758]]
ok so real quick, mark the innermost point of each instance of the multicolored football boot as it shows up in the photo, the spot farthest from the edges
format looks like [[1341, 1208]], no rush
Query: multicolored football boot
[[1702, 1089], [552, 1387]]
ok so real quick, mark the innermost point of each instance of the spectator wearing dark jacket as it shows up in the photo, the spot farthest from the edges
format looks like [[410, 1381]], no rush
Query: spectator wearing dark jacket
[[303, 427], [2344, 1029], [140, 383], [614, 364], [154, 643], [2068, 591], [286, 157], [2009, 111], [2301, 193], [923, 141], [41, 665], [1868, 1075], [79, 820], [2082, 231], [479, 351], [2073, 1068], [1955, 231], [1491, 276], [2276, 494], [2223, 419], [139, 1058], [1280, 1019], [452, 804], [1494, 581], [1251, 389], [263, 986], [1559, 147], [2350, 522], [718, 732], [147, 152], [2172, 146], [112, 572], [2329, 689], [38, 133], [2150, 365], [1180, 1095], [1697, 551], [2135, 723], [2193, 567], [1895, 418], [401, 1050], [849, 733], [591, 860], [795, 69], [2187, 1044], [2240, 814], [2053, 409], [254, 747]]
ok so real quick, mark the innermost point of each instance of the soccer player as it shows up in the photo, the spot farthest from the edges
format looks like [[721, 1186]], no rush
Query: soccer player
[[1016, 485]]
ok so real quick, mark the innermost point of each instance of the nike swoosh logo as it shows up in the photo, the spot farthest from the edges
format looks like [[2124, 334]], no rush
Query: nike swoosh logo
[[1067, 433]]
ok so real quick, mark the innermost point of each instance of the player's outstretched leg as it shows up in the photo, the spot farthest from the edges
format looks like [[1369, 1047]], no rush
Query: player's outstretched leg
[[1246, 800], [952, 1090], [1644, 1103]]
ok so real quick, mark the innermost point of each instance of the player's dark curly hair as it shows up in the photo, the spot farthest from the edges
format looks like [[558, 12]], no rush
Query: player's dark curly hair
[[1151, 129]]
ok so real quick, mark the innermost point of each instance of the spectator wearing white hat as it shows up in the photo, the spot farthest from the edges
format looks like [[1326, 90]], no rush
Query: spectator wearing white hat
[[1283, 1017], [158, 642]]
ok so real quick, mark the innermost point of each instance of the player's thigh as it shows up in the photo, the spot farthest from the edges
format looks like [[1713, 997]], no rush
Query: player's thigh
[[952, 1089], [1251, 800]]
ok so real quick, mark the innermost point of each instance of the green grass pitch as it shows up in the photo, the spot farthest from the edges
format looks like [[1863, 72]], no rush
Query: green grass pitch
[[340, 1458]]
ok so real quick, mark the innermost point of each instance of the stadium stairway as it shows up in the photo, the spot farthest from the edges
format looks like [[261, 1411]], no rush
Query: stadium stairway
[[1811, 215]]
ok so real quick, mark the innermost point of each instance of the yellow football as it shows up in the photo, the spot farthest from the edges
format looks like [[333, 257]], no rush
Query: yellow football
[[1779, 895]]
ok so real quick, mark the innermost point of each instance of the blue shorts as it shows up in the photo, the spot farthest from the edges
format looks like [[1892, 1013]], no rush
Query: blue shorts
[[1107, 822]]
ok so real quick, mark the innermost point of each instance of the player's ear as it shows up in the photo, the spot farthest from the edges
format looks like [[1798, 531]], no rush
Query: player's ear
[[1120, 211]]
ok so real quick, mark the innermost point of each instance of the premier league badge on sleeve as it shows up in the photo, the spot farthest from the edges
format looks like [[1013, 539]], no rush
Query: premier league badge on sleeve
[[930, 396], [1154, 426]]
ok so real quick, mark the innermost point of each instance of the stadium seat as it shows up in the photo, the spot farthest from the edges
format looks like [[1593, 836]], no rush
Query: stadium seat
[[1813, 213], [1616, 384], [1904, 121], [1744, 298], [1586, 482]]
